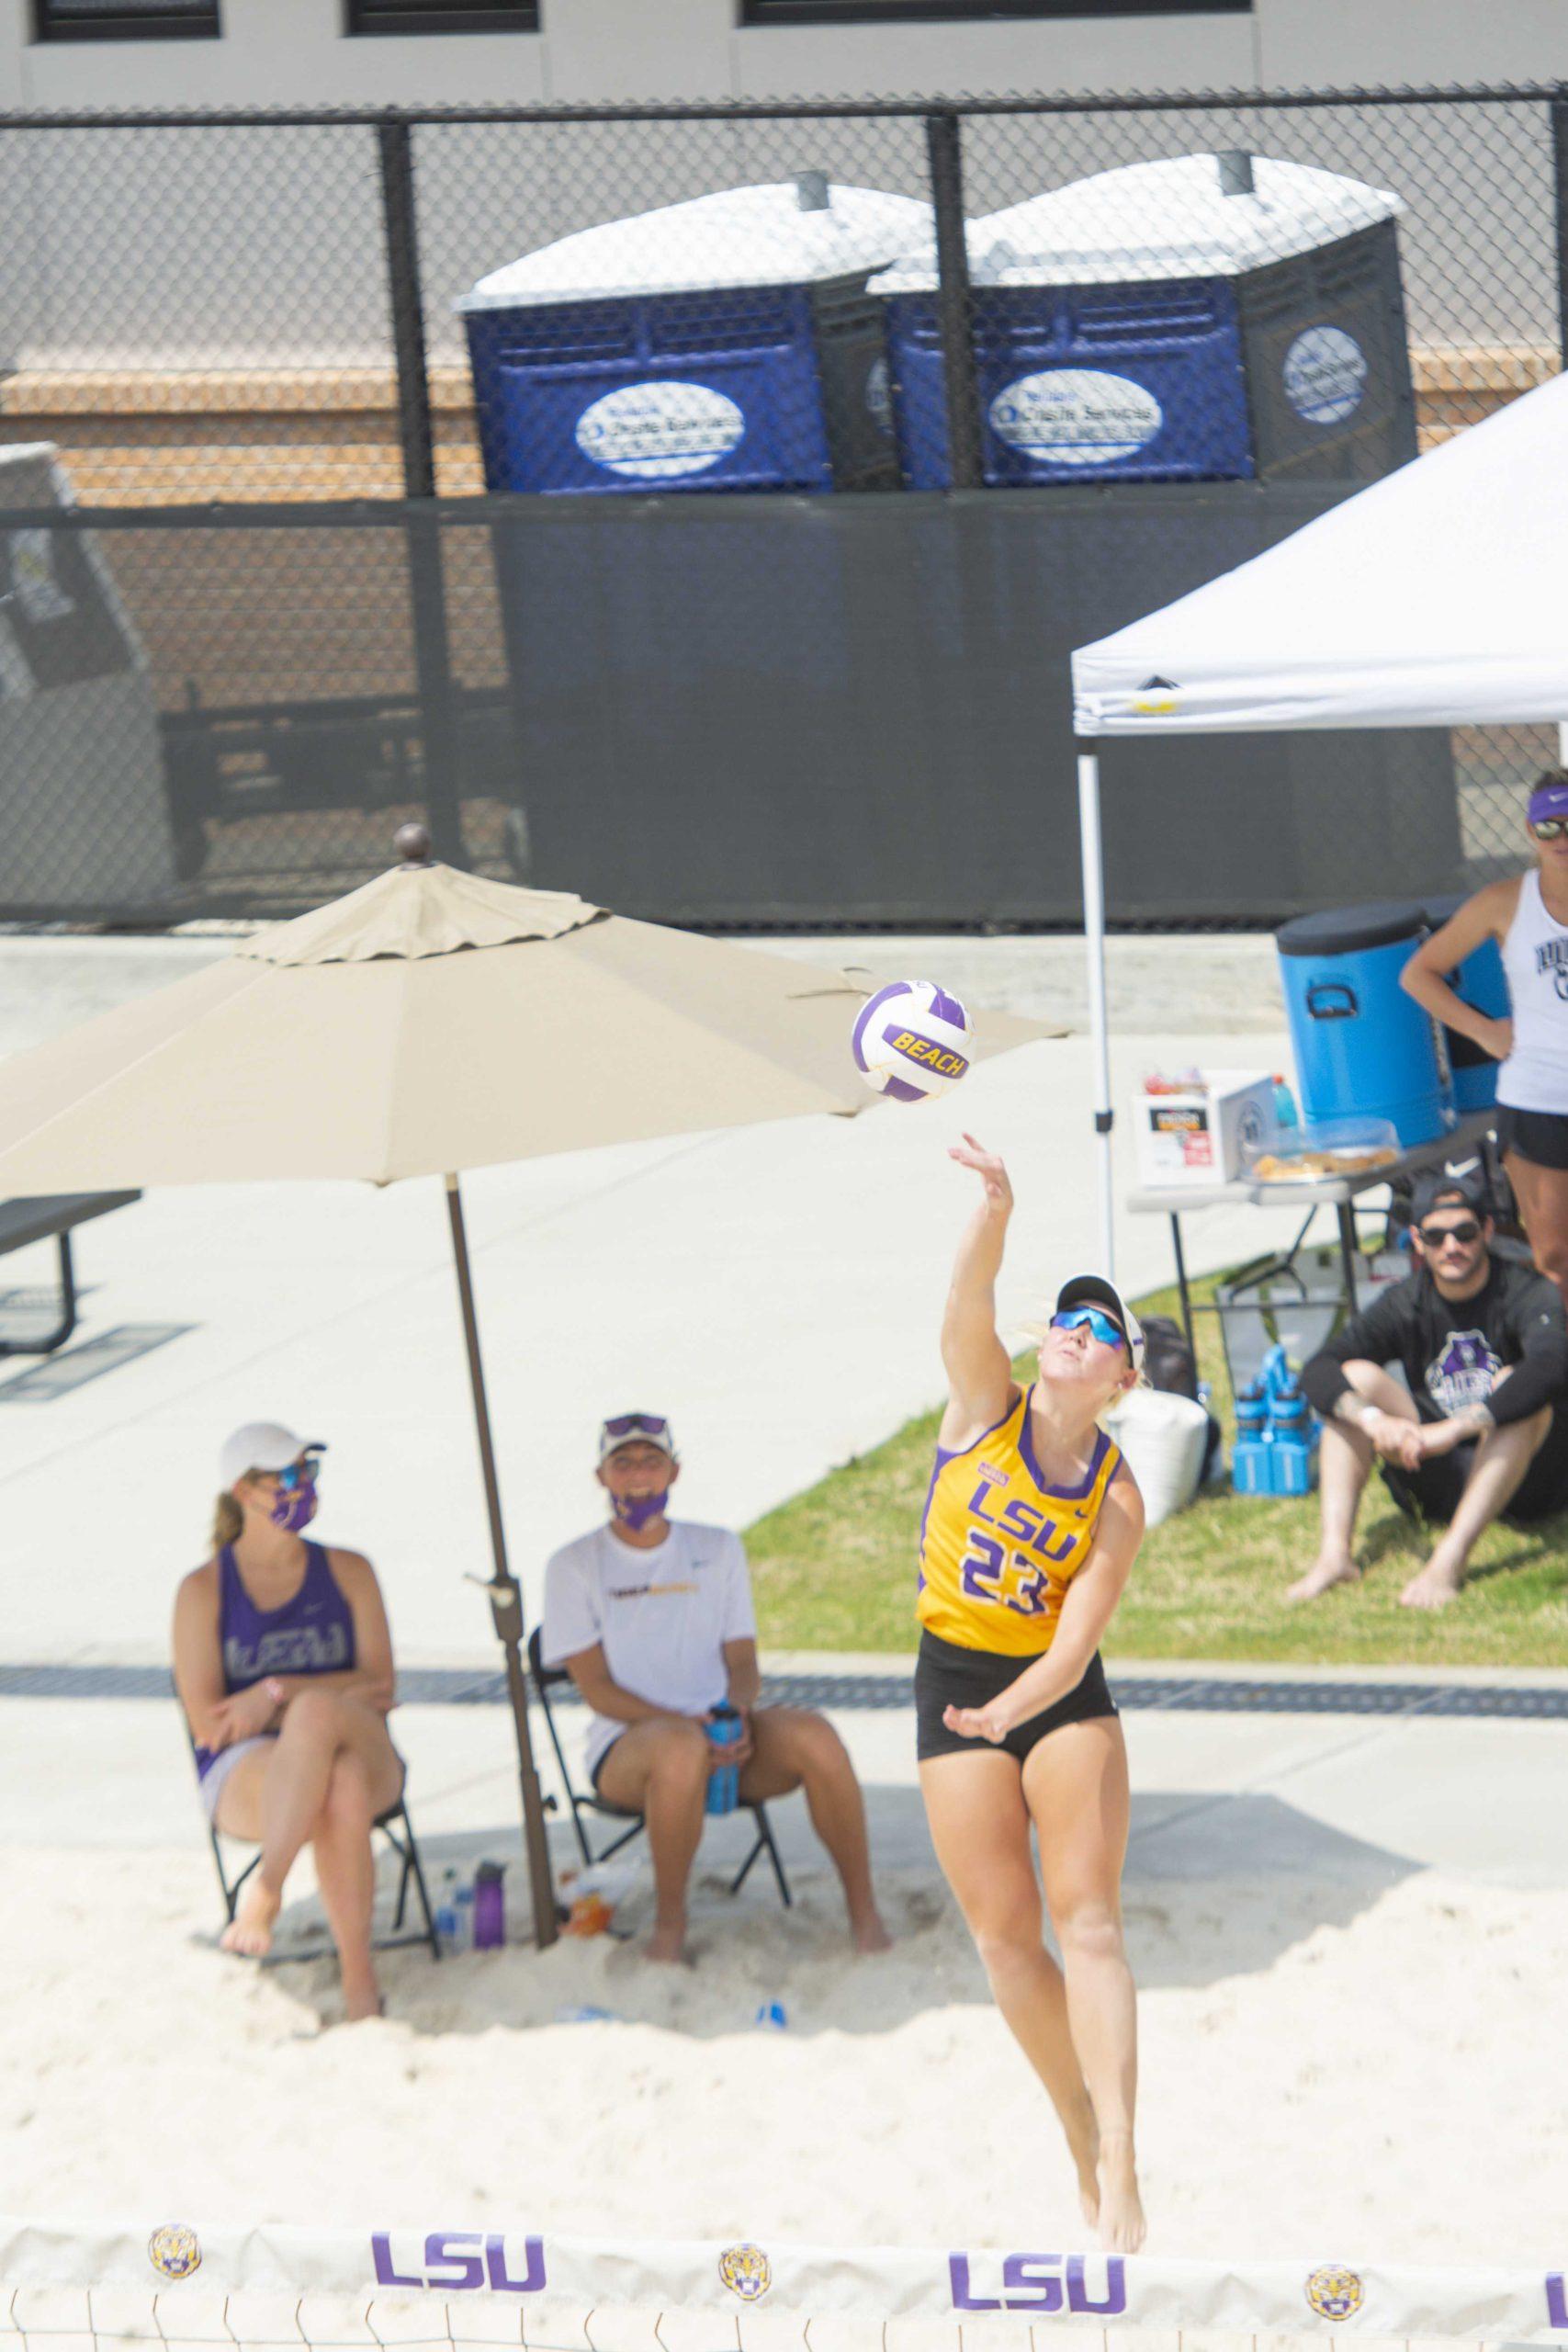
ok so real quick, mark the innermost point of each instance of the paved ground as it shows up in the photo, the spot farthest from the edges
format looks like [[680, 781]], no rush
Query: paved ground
[[1350, 1800], [777, 1290]]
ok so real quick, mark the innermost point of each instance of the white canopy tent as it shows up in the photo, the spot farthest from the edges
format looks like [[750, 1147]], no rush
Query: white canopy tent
[[1438, 596]]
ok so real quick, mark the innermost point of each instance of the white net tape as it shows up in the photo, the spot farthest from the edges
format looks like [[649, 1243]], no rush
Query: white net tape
[[265, 2289]]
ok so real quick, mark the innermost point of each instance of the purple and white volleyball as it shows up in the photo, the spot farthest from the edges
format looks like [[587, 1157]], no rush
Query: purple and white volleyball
[[911, 1041]]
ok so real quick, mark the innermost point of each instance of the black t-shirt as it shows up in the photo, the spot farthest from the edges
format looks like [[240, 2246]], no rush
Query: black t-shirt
[[1452, 1349]]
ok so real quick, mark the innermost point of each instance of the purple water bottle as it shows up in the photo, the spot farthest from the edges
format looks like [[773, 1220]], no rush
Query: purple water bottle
[[490, 1906], [724, 1783]]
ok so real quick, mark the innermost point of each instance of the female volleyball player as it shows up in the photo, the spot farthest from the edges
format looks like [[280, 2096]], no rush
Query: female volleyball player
[[1528, 915], [283, 1662], [1031, 1524]]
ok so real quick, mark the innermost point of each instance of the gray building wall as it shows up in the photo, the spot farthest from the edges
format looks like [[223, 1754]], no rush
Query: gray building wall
[[293, 51]]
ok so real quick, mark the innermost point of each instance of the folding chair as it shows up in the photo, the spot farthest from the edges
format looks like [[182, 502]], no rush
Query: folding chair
[[398, 1830], [545, 1679]]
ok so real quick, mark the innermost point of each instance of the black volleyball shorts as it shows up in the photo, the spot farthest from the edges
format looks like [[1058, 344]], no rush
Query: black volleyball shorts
[[947, 1676]]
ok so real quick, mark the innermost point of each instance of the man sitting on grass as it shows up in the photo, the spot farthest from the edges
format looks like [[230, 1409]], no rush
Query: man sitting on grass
[[1482, 1431], [652, 1619]]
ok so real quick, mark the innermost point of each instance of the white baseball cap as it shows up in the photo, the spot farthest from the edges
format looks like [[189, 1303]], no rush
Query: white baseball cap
[[1098, 1290], [261, 1445], [636, 1429]]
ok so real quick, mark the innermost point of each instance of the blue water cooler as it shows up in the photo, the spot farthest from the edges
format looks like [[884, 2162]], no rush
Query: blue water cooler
[[1200, 318], [726, 344], [1363, 1048], [1481, 982]]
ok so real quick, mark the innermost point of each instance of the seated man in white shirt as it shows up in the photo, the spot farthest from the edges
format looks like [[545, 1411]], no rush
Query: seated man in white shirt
[[652, 1619]]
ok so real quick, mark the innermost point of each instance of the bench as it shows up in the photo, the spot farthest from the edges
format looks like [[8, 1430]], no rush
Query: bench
[[52, 1216]]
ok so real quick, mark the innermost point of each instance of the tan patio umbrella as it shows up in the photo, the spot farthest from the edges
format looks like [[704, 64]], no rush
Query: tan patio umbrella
[[451, 1022]]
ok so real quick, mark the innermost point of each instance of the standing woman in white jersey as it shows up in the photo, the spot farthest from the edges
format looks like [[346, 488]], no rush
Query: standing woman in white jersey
[[1529, 917], [1031, 1526]]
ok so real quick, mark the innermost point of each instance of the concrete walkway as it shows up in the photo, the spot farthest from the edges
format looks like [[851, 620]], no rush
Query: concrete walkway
[[777, 1290]]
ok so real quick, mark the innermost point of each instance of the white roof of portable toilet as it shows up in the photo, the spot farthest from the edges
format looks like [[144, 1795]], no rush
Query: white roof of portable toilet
[[1179, 218], [791, 232]]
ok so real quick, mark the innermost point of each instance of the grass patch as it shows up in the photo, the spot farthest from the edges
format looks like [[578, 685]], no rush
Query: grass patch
[[834, 1570]]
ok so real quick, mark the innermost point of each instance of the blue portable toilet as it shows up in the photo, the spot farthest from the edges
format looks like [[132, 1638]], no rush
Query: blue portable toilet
[[725, 343], [1363, 1048], [1481, 983], [1202, 318]]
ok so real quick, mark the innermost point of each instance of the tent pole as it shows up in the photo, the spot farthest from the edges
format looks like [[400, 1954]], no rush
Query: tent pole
[[505, 1596], [1094, 947]]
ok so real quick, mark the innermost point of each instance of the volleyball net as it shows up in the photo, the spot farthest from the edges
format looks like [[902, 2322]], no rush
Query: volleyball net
[[189, 2287]]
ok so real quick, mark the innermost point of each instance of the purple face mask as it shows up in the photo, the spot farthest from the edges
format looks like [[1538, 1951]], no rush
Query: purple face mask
[[636, 1510], [295, 1506]]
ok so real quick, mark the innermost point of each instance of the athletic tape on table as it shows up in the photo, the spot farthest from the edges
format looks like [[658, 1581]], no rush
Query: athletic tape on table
[[415, 2285]]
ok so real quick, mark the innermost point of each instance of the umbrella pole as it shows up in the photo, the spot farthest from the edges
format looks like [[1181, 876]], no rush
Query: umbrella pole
[[505, 1596], [1100, 1027]]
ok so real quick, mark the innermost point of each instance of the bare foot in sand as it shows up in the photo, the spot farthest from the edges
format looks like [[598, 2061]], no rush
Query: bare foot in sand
[[1328, 1569], [667, 1946], [250, 1931], [361, 1999], [1120, 2216], [869, 1934]]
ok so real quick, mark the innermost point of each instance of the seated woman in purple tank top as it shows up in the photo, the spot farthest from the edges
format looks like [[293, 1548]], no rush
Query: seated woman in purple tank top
[[283, 1662]]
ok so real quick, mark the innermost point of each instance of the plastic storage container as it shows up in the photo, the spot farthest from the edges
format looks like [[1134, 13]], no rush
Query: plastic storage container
[[1205, 317], [1362, 1047], [725, 343], [1480, 982]]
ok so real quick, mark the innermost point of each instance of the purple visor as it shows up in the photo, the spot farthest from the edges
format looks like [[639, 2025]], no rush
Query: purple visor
[[1549, 799]]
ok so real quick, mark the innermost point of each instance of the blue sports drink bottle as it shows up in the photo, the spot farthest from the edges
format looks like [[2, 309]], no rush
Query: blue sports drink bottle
[[724, 1784]]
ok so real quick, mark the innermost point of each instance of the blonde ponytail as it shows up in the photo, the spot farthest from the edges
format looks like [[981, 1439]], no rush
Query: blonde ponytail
[[228, 1522]]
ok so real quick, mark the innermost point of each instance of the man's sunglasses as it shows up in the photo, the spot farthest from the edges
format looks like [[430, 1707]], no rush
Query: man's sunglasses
[[308, 1466], [649, 1425], [1467, 1230], [1109, 1334], [1549, 829]]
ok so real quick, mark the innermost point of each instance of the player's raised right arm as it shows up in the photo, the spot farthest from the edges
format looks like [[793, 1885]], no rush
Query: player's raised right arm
[[979, 1377]]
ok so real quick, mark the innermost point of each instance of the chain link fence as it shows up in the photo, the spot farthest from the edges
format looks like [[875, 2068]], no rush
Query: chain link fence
[[697, 508]]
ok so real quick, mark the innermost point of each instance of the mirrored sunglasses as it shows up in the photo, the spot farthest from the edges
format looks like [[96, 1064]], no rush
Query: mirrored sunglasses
[[1109, 1334], [308, 1467], [649, 1425], [1549, 829]]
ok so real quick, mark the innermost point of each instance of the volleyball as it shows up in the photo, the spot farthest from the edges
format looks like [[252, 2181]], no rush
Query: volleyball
[[911, 1040]]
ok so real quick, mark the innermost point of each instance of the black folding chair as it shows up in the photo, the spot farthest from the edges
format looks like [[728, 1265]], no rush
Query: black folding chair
[[398, 1830], [545, 1679]]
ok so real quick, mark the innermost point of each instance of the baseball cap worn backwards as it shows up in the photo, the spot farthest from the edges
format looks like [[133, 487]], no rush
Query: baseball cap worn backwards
[[1465, 1189], [261, 1445]]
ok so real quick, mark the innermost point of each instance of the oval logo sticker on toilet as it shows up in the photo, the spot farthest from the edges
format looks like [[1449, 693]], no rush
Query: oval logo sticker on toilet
[[1325, 374], [1077, 416], [655, 432]]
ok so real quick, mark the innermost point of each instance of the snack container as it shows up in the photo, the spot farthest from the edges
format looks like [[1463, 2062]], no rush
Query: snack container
[[1323, 1153]]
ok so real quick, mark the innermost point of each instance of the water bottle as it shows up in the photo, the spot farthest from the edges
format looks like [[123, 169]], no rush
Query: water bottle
[[724, 1783], [449, 1920], [465, 1907], [490, 1906], [1290, 1460], [1285, 1112], [1249, 1457]]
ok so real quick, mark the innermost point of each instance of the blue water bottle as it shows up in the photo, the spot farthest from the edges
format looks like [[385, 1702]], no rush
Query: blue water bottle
[[724, 1784], [1249, 1455], [1291, 1454]]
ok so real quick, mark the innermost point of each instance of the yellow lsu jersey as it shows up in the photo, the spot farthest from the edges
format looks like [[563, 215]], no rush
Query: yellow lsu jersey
[[999, 1547]]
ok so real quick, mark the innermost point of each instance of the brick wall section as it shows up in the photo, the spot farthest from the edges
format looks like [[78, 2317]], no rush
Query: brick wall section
[[247, 618]]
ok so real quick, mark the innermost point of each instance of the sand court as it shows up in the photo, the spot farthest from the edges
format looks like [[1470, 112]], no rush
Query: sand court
[[1341, 1925]]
